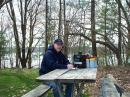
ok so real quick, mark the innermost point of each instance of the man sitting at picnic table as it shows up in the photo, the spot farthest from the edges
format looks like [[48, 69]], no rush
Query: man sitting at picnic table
[[55, 59]]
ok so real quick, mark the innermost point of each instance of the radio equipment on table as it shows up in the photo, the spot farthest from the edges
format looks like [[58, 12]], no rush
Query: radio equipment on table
[[84, 61]]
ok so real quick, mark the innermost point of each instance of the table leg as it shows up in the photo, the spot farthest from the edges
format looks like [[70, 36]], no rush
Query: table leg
[[73, 92], [59, 88]]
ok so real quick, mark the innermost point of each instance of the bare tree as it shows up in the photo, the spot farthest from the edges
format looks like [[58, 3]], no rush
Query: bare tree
[[33, 19], [127, 19], [21, 46]]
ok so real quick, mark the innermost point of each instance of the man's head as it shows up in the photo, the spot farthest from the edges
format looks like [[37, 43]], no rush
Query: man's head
[[58, 45]]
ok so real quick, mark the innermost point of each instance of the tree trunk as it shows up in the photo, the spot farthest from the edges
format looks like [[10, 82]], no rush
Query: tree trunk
[[60, 18], [29, 61], [94, 50], [65, 33], [46, 27], [17, 61], [11, 62], [105, 30], [66, 39], [128, 47], [16, 36], [0, 63], [119, 37], [23, 29], [23, 63]]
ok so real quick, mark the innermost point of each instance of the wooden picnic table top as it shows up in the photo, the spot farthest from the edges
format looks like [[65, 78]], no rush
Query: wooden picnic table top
[[66, 75]]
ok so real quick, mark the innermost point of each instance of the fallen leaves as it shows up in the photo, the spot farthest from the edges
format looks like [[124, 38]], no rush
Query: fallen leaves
[[121, 74]]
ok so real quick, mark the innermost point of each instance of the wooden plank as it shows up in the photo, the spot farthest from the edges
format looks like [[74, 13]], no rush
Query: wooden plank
[[52, 75], [87, 74], [71, 74], [79, 74], [38, 91]]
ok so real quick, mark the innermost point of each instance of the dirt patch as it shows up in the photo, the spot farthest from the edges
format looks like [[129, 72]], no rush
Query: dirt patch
[[121, 74]]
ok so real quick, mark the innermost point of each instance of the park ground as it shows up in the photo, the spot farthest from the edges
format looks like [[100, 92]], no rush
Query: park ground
[[16, 82]]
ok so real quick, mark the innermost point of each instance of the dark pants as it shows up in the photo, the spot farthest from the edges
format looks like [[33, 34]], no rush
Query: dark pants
[[68, 89]]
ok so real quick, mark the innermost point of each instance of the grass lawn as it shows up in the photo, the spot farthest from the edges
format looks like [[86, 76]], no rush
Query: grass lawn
[[16, 82]]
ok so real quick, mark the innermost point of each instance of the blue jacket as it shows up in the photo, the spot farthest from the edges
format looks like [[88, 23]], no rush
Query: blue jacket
[[53, 60]]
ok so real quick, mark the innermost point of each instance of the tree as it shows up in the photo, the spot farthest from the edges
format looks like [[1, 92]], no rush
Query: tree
[[46, 27], [127, 19], [119, 37], [66, 31], [24, 51], [60, 19], [94, 50], [2, 46]]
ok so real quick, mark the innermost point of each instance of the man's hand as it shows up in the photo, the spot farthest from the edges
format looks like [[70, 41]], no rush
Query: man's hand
[[70, 66]]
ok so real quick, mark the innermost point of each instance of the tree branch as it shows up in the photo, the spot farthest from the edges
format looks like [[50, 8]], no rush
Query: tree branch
[[107, 44], [2, 3]]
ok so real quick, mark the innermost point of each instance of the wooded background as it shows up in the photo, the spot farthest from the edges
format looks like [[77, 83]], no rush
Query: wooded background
[[97, 27]]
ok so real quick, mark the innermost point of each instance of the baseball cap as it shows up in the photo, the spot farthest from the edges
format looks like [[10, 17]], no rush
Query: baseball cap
[[58, 41]]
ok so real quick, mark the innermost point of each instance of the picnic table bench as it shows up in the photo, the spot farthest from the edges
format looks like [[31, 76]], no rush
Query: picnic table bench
[[39, 91]]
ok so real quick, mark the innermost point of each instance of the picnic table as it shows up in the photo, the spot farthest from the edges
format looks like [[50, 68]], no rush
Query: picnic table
[[76, 76]]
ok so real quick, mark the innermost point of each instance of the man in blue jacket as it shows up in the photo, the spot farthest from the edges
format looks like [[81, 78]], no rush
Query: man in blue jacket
[[55, 59]]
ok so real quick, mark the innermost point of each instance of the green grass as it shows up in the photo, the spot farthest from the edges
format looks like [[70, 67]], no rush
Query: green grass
[[16, 82]]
